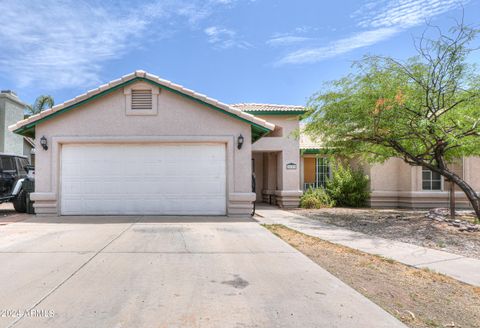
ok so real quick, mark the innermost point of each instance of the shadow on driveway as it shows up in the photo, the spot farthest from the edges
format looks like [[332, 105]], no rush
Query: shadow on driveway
[[134, 219]]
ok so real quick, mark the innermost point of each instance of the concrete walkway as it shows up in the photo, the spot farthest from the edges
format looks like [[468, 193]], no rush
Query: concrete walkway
[[459, 267]]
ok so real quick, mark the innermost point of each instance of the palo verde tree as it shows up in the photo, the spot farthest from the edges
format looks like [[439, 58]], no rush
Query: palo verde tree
[[425, 110], [41, 103]]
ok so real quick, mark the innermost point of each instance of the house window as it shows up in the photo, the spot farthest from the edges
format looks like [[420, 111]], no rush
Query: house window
[[431, 180], [322, 171]]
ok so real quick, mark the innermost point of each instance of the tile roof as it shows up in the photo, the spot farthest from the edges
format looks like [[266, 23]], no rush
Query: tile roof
[[254, 107], [32, 120]]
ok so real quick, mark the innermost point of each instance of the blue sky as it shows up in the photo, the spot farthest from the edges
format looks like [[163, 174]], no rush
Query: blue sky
[[233, 50]]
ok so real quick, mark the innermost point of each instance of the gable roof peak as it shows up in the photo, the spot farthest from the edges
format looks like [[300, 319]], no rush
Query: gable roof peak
[[27, 126], [140, 73]]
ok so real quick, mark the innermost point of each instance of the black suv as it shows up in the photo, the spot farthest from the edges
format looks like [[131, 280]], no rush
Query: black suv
[[13, 171]]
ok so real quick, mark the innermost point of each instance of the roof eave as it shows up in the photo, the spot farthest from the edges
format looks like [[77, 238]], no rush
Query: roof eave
[[316, 151], [276, 112], [23, 131]]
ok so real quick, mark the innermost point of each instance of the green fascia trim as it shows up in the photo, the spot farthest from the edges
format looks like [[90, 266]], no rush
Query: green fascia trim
[[276, 112], [27, 129], [257, 134], [319, 151], [26, 132]]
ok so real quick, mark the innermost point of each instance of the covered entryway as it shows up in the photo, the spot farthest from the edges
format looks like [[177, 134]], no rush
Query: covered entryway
[[143, 179], [264, 166], [272, 173]]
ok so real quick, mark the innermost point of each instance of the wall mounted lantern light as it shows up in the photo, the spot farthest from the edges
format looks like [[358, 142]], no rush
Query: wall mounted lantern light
[[43, 143], [240, 141]]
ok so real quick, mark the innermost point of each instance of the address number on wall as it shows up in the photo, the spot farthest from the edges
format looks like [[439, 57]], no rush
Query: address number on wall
[[291, 166]]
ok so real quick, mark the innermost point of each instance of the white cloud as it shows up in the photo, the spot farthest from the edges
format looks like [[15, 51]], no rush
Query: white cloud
[[60, 44], [383, 19], [359, 40], [404, 13], [298, 35], [286, 40], [223, 38], [225, 2]]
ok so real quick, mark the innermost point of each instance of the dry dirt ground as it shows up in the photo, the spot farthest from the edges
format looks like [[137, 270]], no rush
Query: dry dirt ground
[[419, 298], [403, 225]]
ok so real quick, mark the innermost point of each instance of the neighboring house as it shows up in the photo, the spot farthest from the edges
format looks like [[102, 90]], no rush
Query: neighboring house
[[142, 145], [12, 111]]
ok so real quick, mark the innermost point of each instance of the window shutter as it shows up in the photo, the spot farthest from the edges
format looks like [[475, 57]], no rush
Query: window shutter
[[141, 99]]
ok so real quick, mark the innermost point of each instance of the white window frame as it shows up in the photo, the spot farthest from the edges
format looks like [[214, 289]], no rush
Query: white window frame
[[141, 86], [318, 174], [431, 181]]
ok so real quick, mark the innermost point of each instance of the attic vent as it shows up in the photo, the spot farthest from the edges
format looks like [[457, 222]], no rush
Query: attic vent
[[141, 99]]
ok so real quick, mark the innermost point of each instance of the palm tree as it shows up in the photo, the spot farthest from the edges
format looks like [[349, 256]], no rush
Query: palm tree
[[41, 103]]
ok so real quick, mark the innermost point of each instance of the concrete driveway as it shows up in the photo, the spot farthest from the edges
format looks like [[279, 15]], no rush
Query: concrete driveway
[[167, 272]]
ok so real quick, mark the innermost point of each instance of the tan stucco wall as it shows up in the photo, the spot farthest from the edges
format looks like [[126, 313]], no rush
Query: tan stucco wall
[[386, 176], [396, 183], [396, 175], [471, 167], [178, 120], [270, 176], [258, 160], [286, 147]]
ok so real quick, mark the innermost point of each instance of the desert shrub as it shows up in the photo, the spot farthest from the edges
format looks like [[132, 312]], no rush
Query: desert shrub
[[316, 198], [348, 187]]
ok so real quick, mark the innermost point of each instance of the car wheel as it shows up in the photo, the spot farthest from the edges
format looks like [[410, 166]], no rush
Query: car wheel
[[20, 202]]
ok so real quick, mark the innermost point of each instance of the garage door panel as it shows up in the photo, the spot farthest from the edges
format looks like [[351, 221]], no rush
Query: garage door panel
[[173, 186], [143, 179], [110, 171], [173, 206]]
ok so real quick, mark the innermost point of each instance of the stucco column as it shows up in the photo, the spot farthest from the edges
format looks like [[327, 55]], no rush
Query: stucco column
[[302, 172], [289, 192], [270, 177], [259, 171]]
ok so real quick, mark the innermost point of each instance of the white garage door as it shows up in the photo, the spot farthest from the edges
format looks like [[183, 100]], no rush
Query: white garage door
[[130, 179]]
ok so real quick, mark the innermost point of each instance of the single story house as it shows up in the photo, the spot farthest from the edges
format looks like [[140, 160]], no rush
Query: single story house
[[142, 145]]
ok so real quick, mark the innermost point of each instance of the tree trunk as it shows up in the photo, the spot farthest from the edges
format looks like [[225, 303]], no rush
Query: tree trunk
[[452, 199], [466, 188]]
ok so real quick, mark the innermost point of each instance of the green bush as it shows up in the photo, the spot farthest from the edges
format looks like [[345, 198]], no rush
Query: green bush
[[348, 187], [316, 198]]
